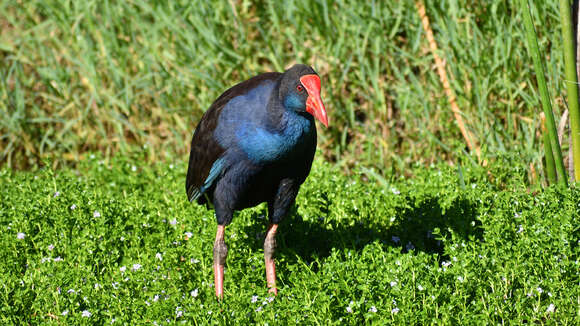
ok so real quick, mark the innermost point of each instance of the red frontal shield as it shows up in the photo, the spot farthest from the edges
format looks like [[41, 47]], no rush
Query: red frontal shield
[[314, 103]]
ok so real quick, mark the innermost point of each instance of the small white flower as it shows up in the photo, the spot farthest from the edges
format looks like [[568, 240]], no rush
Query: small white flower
[[133, 168], [64, 313], [446, 264], [259, 309], [398, 263], [96, 214], [551, 308], [50, 247], [395, 239], [209, 312], [188, 235], [159, 256], [21, 235], [56, 194], [349, 310], [156, 298], [97, 285], [123, 269], [395, 311], [194, 293], [136, 267], [517, 215], [73, 207], [86, 313], [540, 290], [270, 299], [254, 298], [193, 261], [520, 229], [373, 309], [420, 287], [57, 259], [178, 312], [395, 191], [115, 285], [71, 291], [173, 221], [460, 278], [393, 283]]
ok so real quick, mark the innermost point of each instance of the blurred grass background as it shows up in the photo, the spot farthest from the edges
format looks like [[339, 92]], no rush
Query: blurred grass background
[[129, 76]]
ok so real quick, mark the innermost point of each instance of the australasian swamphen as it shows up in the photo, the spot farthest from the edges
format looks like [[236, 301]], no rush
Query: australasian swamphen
[[255, 144]]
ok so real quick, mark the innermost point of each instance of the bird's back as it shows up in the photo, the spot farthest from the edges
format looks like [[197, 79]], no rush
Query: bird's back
[[206, 149]]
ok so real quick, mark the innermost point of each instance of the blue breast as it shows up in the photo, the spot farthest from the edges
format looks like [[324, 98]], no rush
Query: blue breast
[[242, 125]]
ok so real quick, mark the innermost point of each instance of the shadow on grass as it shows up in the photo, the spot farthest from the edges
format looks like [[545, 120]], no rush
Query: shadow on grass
[[413, 229]]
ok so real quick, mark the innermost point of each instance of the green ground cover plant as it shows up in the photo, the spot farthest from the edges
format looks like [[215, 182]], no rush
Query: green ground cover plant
[[117, 242]]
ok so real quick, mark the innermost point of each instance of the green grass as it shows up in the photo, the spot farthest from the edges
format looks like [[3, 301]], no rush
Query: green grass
[[117, 76], [449, 246]]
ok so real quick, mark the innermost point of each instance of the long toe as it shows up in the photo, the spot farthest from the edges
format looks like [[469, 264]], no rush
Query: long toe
[[218, 271]]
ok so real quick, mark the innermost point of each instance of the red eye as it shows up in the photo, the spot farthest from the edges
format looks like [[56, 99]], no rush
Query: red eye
[[299, 88]]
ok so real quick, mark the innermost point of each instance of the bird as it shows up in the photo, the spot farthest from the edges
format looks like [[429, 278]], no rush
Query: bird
[[256, 144]]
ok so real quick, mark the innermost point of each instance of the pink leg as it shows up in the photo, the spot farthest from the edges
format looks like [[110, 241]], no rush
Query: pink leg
[[269, 250], [220, 253]]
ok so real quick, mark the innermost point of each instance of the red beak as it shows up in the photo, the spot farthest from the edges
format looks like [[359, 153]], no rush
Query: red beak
[[314, 103]]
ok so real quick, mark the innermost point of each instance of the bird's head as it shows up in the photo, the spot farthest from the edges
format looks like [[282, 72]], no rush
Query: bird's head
[[300, 91]]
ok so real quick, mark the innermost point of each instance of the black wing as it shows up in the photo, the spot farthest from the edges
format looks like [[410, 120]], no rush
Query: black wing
[[205, 149]]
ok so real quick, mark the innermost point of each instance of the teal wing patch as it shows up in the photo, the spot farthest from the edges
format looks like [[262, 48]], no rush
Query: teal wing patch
[[214, 172]]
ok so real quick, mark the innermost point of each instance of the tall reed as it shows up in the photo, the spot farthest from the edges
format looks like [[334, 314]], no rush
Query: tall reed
[[550, 165], [571, 83], [544, 96]]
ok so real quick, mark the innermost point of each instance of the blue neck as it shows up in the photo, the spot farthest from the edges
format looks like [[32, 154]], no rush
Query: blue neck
[[278, 141]]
